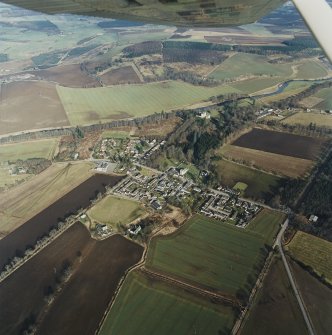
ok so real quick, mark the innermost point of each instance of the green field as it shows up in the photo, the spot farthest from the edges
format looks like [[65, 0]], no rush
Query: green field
[[205, 251], [321, 120], [311, 70], [115, 134], [259, 183], [114, 211], [267, 223], [240, 187], [325, 94], [275, 310], [250, 86], [89, 105], [30, 149], [242, 64], [145, 306], [314, 252]]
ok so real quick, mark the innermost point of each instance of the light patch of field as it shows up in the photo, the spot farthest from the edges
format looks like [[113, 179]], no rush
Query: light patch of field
[[21, 203], [282, 165], [30, 149], [241, 65], [311, 70], [326, 95], [115, 211], [30, 105], [209, 253], [240, 186], [260, 184], [119, 102], [250, 86], [314, 252], [321, 120], [186, 313], [116, 134], [311, 101], [267, 223]]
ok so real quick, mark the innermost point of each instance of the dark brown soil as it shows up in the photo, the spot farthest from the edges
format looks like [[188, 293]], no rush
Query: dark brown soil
[[281, 143], [123, 75], [27, 234], [96, 269]]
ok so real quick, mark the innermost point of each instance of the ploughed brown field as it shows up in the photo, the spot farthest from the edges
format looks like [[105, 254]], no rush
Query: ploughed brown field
[[29, 105], [68, 75], [281, 143], [79, 305], [123, 75], [27, 234]]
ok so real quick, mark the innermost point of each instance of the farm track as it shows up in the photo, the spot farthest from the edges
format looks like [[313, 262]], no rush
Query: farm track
[[215, 297]]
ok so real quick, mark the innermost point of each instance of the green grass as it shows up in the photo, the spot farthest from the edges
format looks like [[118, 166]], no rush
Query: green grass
[[113, 211], [314, 252], [243, 64], [267, 223], [321, 120], [275, 310], [208, 252], [29, 149], [240, 186], [311, 70], [89, 105], [250, 86], [325, 94], [115, 134], [146, 306], [259, 183]]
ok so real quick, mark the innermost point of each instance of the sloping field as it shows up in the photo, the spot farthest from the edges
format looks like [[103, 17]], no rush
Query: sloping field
[[319, 119], [154, 307], [281, 143], [29, 105], [114, 211], [267, 161], [31, 149], [242, 64], [79, 307], [314, 252], [208, 253], [317, 298], [119, 102], [250, 86], [325, 94], [67, 75], [26, 200], [260, 184], [275, 309], [311, 70], [267, 223], [122, 75]]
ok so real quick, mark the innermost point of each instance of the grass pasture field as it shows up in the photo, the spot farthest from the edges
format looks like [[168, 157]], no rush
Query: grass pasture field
[[326, 95], [242, 64], [209, 253], [26, 200], [260, 184], [280, 164], [125, 101], [267, 223], [240, 186], [317, 298], [275, 309], [281, 143], [30, 149], [186, 313], [122, 75], [113, 211], [23, 107], [311, 70], [314, 252], [250, 86], [116, 134], [303, 118]]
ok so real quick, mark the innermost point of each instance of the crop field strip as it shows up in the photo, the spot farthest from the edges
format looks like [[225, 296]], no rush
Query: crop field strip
[[126, 101], [303, 118], [178, 312], [87, 281], [219, 251], [314, 252], [260, 184], [281, 143], [270, 162]]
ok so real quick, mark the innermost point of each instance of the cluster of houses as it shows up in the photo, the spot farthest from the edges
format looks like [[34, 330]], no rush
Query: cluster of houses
[[222, 204]]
